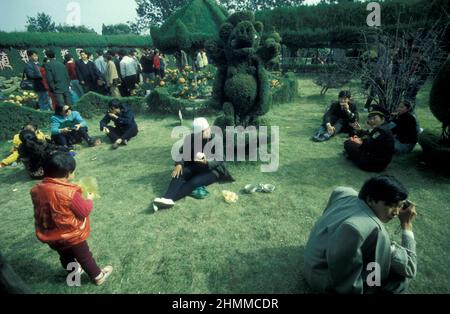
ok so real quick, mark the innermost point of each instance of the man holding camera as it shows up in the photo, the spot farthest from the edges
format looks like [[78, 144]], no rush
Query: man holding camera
[[349, 250]]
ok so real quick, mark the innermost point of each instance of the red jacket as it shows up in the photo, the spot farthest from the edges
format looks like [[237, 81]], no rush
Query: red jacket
[[156, 62], [44, 78], [55, 222], [71, 69]]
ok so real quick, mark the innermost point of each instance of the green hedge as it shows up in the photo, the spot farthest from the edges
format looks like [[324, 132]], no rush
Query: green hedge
[[24, 40], [14, 117], [339, 26], [434, 152], [160, 101], [93, 104], [189, 27], [289, 90]]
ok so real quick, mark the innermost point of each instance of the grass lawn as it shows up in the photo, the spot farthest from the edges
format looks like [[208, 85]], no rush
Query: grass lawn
[[209, 246]]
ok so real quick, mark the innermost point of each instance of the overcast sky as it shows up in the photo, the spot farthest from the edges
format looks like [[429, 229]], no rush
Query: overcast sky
[[93, 13]]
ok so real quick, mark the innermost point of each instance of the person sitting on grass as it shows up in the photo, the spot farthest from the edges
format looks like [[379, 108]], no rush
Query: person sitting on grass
[[62, 217], [33, 152], [405, 128], [340, 117], [125, 126], [69, 128], [196, 170], [349, 244], [14, 156], [374, 151]]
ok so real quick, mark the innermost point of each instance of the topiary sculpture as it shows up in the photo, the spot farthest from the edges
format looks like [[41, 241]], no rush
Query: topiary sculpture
[[241, 88], [437, 148]]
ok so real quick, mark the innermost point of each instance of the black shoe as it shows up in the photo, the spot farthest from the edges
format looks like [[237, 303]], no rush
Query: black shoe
[[115, 146], [125, 142]]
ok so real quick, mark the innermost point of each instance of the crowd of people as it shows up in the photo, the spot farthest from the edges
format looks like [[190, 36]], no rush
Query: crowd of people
[[346, 238], [113, 73]]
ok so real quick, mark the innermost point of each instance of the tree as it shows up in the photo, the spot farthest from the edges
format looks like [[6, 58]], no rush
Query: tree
[[74, 29], [255, 5], [117, 29], [41, 23], [156, 12]]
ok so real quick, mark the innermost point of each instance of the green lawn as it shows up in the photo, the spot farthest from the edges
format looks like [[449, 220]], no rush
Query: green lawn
[[208, 246]]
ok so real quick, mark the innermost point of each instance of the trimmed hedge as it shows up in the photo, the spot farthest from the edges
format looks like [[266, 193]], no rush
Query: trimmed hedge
[[322, 25], [289, 90], [93, 104], [189, 27], [14, 117], [24, 40], [160, 101], [434, 152]]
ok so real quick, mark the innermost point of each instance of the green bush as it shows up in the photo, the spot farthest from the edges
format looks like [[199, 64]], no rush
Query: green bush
[[160, 101], [288, 91], [435, 153], [24, 40], [93, 104], [14, 117], [439, 99], [189, 27], [323, 25]]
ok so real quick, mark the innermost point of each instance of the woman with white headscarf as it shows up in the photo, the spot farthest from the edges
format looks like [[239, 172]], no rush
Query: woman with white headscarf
[[196, 170]]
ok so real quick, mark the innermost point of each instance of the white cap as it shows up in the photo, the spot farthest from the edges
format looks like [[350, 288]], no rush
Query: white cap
[[200, 124]]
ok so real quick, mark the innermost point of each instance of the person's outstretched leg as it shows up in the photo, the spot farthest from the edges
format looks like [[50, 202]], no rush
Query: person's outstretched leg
[[202, 179], [177, 183]]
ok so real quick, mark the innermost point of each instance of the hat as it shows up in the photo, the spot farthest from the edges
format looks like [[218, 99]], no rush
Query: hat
[[378, 110], [200, 124]]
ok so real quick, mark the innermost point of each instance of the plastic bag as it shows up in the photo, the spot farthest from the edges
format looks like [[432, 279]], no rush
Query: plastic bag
[[230, 197], [89, 185]]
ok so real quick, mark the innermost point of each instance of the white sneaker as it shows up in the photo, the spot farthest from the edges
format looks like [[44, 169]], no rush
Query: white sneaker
[[103, 275], [161, 202]]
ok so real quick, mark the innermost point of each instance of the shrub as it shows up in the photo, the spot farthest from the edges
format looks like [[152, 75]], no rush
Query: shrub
[[160, 101], [287, 91], [189, 27], [92, 104], [13, 117], [439, 100], [434, 153]]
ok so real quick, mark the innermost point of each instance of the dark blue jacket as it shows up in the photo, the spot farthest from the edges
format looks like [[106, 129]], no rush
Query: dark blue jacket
[[124, 121], [33, 73]]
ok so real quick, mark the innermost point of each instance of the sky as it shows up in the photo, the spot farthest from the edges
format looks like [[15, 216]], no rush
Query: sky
[[93, 13]]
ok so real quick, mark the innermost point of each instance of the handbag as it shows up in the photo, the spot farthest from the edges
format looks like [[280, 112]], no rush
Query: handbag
[[26, 84]]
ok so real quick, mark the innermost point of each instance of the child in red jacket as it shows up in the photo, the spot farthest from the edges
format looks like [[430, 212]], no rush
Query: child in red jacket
[[62, 216]]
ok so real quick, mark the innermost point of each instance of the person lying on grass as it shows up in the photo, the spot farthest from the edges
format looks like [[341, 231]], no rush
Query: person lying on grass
[[14, 154], [125, 126], [69, 128], [62, 217], [195, 171], [372, 150], [349, 250], [340, 117]]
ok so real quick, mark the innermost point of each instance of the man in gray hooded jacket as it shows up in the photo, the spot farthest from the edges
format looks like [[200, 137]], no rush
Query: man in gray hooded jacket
[[349, 249]]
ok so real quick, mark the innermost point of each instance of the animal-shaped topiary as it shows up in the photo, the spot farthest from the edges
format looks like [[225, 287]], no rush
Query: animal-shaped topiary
[[241, 88]]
